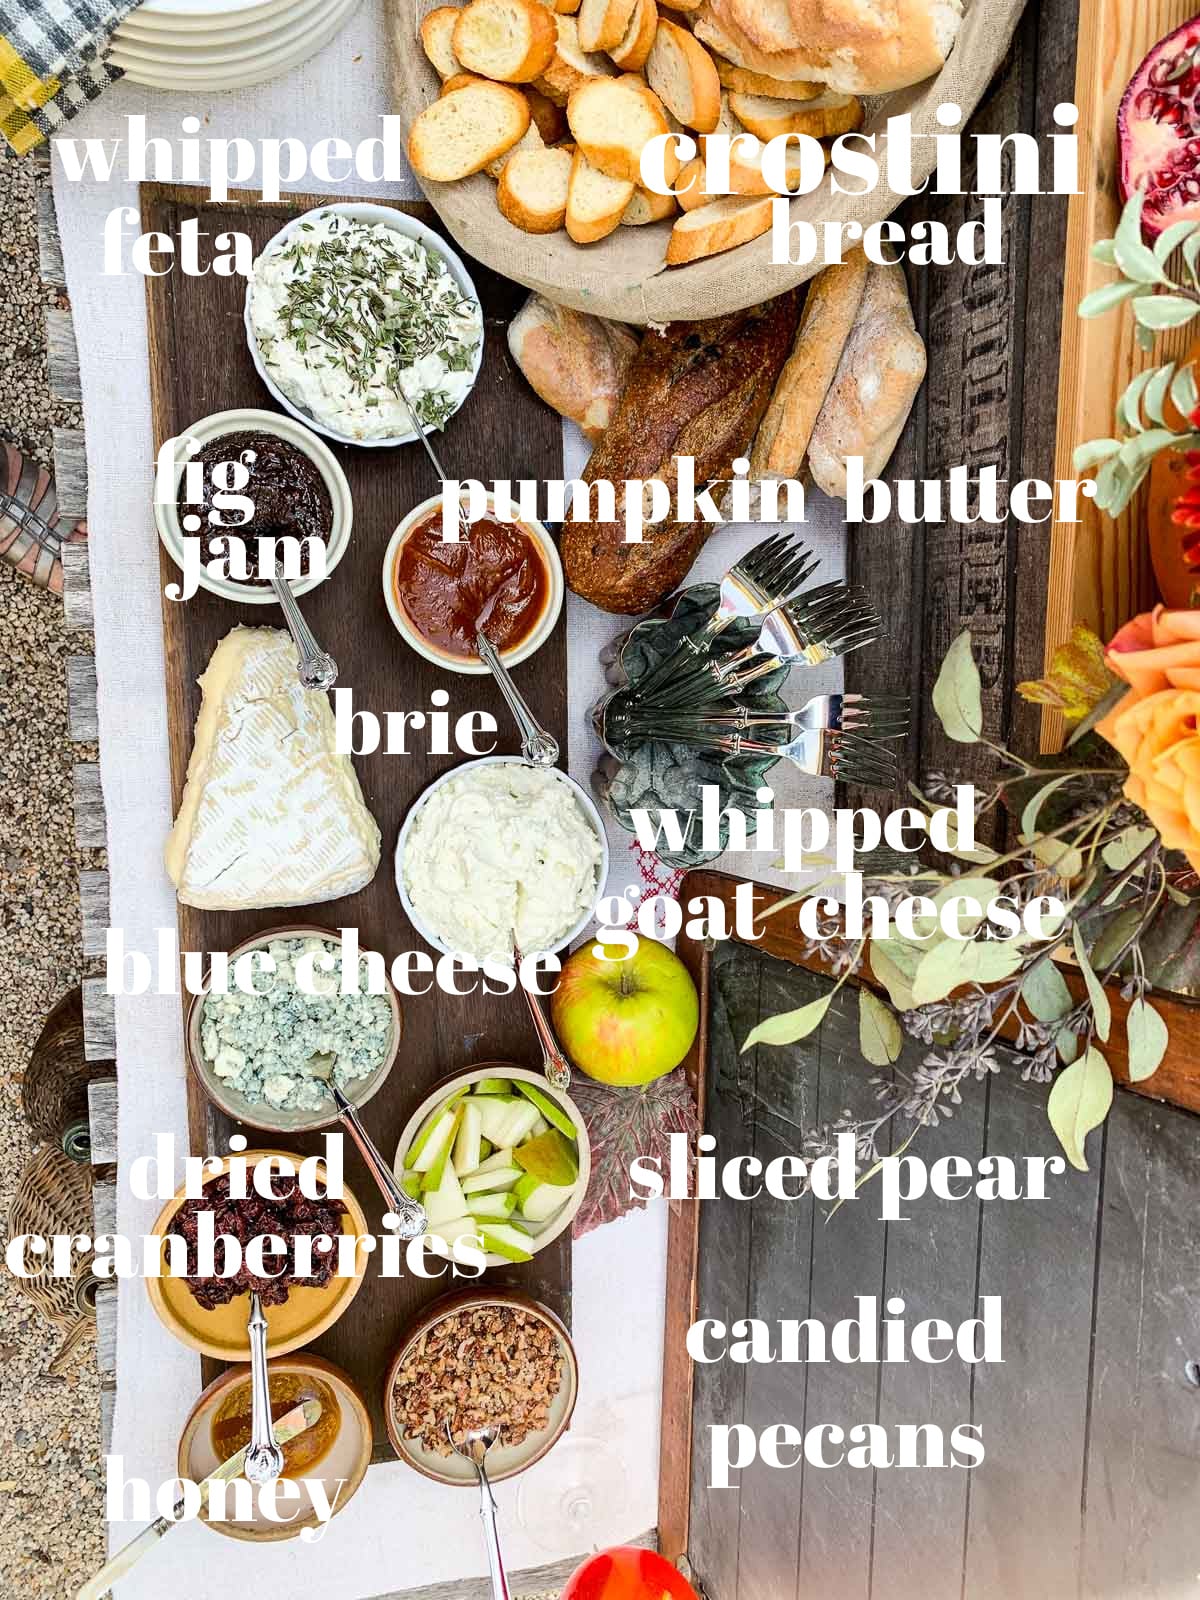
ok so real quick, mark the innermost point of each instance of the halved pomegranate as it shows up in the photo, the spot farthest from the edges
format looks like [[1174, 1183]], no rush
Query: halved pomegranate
[[1159, 129]]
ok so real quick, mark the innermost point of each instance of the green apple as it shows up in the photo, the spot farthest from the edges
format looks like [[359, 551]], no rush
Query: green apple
[[625, 1022]]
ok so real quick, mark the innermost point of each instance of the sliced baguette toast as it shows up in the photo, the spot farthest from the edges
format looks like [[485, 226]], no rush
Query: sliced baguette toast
[[572, 66], [532, 192], [530, 140], [646, 206], [437, 40], [630, 55], [822, 118], [602, 23], [611, 120], [460, 133], [683, 76], [720, 225], [512, 41], [595, 202], [747, 82]]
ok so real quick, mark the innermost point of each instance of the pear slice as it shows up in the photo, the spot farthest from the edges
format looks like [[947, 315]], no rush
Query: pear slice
[[470, 1136], [549, 1157], [500, 1206], [540, 1201], [488, 1182], [505, 1239], [445, 1202], [503, 1157], [548, 1106], [493, 1086], [438, 1165], [494, 1113]]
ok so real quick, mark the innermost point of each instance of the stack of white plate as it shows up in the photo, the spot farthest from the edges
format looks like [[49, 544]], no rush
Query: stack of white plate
[[209, 45]]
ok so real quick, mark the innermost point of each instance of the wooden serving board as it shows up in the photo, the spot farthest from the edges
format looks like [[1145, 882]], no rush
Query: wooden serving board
[[1100, 570], [199, 364], [1095, 1385]]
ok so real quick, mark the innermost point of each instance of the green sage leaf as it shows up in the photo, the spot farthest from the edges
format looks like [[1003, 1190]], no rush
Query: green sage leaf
[[1079, 1101], [1128, 845], [956, 962], [1147, 1036], [1044, 990], [957, 694], [1134, 258]]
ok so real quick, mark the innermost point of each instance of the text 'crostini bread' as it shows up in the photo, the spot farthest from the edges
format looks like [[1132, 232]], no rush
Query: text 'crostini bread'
[[821, 118], [460, 133], [512, 41]]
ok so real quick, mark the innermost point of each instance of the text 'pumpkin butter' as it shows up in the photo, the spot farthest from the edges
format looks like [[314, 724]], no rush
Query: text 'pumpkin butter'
[[271, 815], [695, 389]]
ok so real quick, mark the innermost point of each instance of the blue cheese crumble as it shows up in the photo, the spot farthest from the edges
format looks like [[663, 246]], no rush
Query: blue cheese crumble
[[263, 1045]]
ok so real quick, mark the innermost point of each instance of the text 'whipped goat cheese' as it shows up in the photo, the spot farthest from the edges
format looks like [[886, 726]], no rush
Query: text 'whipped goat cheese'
[[345, 312], [501, 851]]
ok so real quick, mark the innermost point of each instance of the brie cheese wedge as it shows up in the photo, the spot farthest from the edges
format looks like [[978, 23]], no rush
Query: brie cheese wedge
[[271, 814]]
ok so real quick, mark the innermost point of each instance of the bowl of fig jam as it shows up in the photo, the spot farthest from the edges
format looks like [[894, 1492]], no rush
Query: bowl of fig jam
[[295, 482], [504, 576]]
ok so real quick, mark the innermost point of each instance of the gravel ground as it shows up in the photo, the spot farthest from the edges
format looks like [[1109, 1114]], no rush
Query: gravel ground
[[51, 1500]]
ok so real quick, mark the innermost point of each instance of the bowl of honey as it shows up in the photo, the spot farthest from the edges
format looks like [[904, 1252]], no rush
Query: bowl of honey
[[337, 1445]]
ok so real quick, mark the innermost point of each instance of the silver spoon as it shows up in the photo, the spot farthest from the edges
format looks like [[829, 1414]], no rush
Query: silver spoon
[[478, 1442], [554, 1063], [316, 668], [264, 1458], [411, 1215], [464, 522], [538, 747]]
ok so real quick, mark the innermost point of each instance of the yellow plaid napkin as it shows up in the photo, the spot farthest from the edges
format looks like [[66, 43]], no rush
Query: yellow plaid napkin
[[51, 63]]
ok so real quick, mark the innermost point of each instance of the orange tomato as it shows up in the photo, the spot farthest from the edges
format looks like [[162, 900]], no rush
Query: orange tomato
[[628, 1574]]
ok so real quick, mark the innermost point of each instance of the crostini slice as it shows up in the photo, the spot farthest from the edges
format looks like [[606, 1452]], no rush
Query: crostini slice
[[512, 41], [460, 133], [684, 77]]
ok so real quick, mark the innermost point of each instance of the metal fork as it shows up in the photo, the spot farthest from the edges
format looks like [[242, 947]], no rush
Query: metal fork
[[885, 717], [822, 753], [762, 579]]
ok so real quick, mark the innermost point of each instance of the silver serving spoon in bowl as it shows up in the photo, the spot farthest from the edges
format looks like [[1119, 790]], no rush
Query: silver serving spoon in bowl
[[538, 747], [554, 1063], [264, 1458], [316, 668], [477, 1444], [411, 1215]]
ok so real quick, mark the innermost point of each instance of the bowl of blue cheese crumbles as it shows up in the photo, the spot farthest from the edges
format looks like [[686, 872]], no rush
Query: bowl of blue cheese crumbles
[[257, 1055], [356, 312]]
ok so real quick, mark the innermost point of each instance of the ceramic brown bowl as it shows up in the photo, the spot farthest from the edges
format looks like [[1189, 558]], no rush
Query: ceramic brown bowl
[[303, 1317], [346, 1458], [503, 1461], [257, 1113]]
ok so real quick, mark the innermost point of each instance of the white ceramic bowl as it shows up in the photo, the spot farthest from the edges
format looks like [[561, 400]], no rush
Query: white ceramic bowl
[[166, 513], [534, 640], [363, 211], [563, 1218], [582, 799]]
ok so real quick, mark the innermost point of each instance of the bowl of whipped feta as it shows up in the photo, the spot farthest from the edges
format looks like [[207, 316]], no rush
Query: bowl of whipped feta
[[351, 309], [260, 1056], [499, 849]]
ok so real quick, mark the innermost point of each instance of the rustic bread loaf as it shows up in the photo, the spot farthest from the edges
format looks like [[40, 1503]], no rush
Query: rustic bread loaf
[[834, 298], [577, 364], [877, 380], [694, 389]]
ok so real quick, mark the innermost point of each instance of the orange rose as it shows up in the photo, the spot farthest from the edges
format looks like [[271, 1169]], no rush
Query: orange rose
[[1156, 727]]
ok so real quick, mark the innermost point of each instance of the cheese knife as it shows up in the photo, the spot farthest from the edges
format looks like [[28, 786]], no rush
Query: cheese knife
[[290, 1426]]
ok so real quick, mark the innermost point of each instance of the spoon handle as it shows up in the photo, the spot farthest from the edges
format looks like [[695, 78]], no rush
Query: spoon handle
[[464, 524], [264, 1458], [411, 1215], [554, 1063], [316, 668], [491, 1536], [537, 746]]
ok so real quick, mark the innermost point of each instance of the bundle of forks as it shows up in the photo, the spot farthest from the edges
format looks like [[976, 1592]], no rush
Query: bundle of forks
[[693, 695]]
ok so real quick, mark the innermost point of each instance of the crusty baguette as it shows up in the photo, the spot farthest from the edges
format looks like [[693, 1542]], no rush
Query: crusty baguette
[[602, 23], [551, 120], [630, 55], [747, 82], [532, 192], [720, 225], [529, 141], [595, 202], [611, 120], [575, 363], [645, 206], [572, 66], [437, 40], [460, 133], [873, 390], [509, 40], [834, 298], [823, 118], [695, 389], [681, 72], [767, 22]]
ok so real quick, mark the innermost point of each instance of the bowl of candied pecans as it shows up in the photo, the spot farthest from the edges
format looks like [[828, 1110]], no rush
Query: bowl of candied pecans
[[474, 1360]]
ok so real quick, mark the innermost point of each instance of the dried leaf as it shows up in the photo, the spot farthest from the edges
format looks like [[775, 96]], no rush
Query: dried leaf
[[1101, 1010], [1148, 1037], [956, 962], [789, 1026], [957, 694], [1078, 678], [623, 1124], [1079, 1101], [879, 1034], [1044, 990]]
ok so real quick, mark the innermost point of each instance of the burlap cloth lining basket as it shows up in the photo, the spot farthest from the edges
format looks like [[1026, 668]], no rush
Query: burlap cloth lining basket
[[623, 276]]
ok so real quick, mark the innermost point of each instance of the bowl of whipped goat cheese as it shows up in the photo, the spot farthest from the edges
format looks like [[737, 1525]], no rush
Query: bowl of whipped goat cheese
[[353, 308], [497, 849]]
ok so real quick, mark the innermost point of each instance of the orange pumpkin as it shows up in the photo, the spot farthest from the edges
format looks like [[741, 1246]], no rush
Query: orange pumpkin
[[625, 1573]]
